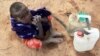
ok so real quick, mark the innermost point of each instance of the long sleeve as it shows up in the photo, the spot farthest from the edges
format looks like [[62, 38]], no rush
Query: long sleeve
[[25, 31]]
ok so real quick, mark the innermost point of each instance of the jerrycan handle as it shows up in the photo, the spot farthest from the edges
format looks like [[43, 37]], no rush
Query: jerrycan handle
[[88, 24]]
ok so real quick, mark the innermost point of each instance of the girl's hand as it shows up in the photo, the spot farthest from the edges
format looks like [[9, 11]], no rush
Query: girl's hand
[[37, 19]]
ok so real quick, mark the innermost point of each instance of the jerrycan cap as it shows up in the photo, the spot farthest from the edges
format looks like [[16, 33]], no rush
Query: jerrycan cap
[[82, 17], [80, 33]]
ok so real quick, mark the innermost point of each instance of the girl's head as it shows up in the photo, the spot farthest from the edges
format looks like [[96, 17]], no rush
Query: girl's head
[[20, 12]]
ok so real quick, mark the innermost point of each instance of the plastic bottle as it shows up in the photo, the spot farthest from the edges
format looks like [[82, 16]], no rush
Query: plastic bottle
[[86, 42], [77, 21]]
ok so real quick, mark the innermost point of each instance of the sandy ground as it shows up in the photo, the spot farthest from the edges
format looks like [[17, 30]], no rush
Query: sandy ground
[[10, 45]]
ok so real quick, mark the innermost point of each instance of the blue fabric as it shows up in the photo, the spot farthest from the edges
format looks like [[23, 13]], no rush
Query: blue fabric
[[28, 31]]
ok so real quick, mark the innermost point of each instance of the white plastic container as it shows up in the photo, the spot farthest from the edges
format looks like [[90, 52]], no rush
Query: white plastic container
[[77, 21], [87, 42]]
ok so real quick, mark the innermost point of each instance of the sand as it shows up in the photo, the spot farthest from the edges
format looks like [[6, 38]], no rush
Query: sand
[[10, 44]]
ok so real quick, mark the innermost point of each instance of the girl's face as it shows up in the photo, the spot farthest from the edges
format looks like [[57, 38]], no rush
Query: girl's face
[[26, 16]]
